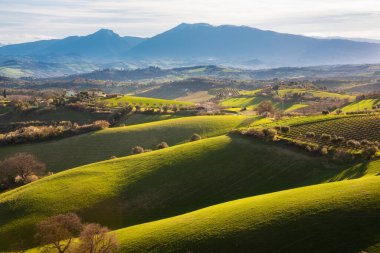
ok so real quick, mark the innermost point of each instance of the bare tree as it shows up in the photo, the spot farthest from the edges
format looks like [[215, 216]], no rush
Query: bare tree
[[22, 165], [97, 239], [58, 231], [265, 107]]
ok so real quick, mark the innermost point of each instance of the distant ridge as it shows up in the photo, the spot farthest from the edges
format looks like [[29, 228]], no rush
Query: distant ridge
[[194, 44]]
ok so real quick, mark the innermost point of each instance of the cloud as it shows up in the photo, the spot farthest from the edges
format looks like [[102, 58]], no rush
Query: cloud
[[62, 18]]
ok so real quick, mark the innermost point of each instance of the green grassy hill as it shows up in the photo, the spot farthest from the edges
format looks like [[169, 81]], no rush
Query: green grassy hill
[[317, 93], [164, 183], [366, 104], [337, 217], [152, 102], [101, 145], [140, 118], [57, 114], [251, 102]]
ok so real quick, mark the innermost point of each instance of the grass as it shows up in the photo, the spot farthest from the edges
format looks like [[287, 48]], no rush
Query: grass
[[196, 97], [59, 114], [249, 92], [163, 183], [101, 145], [361, 105], [153, 102], [296, 107], [336, 217], [139, 118], [317, 94], [251, 102]]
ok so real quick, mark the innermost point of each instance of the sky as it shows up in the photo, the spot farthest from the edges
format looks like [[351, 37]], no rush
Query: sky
[[31, 20]]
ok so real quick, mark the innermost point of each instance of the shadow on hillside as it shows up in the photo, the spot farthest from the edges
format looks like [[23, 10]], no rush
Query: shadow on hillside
[[354, 172]]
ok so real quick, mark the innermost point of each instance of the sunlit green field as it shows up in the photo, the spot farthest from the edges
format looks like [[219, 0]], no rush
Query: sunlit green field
[[142, 101], [362, 105], [317, 93], [101, 145], [164, 183]]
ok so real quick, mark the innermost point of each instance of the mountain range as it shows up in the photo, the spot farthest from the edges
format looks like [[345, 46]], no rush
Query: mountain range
[[192, 44]]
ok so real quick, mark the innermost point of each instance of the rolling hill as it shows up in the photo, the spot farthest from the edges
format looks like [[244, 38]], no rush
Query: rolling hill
[[152, 102], [335, 217], [164, 183], [362, 105], [101, 145]]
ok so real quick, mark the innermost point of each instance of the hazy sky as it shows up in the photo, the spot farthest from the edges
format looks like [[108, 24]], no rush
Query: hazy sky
[[29, 20]]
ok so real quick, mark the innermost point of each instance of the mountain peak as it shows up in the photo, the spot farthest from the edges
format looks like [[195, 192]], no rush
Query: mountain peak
[[189, 25], [105, 32]]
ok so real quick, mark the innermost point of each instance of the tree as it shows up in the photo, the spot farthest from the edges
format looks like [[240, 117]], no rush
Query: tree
[[265, 107], [5, 93], [57, 232], [162, 145], [195, 137], [137, 150], [370, 152], [97, 239], [22, 165]]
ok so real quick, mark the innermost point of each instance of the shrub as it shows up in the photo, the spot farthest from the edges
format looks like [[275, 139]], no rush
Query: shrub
[[137, 150], [195, 137], [162, 145], [337, 140], [270, 133], [353, 144], [258, 133], [365, 143], [101, 124], [310, 135], [324, 150], [325, 112], [342, 156], [285, 129], [326, 137], [370, 152]]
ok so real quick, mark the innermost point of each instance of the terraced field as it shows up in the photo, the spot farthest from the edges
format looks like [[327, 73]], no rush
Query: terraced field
[[173, 181], [351, 128]]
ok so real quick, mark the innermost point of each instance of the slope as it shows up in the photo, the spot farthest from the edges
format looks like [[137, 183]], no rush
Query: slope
[[336, 217], [101, 145], [242, 43], [163, 183]]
